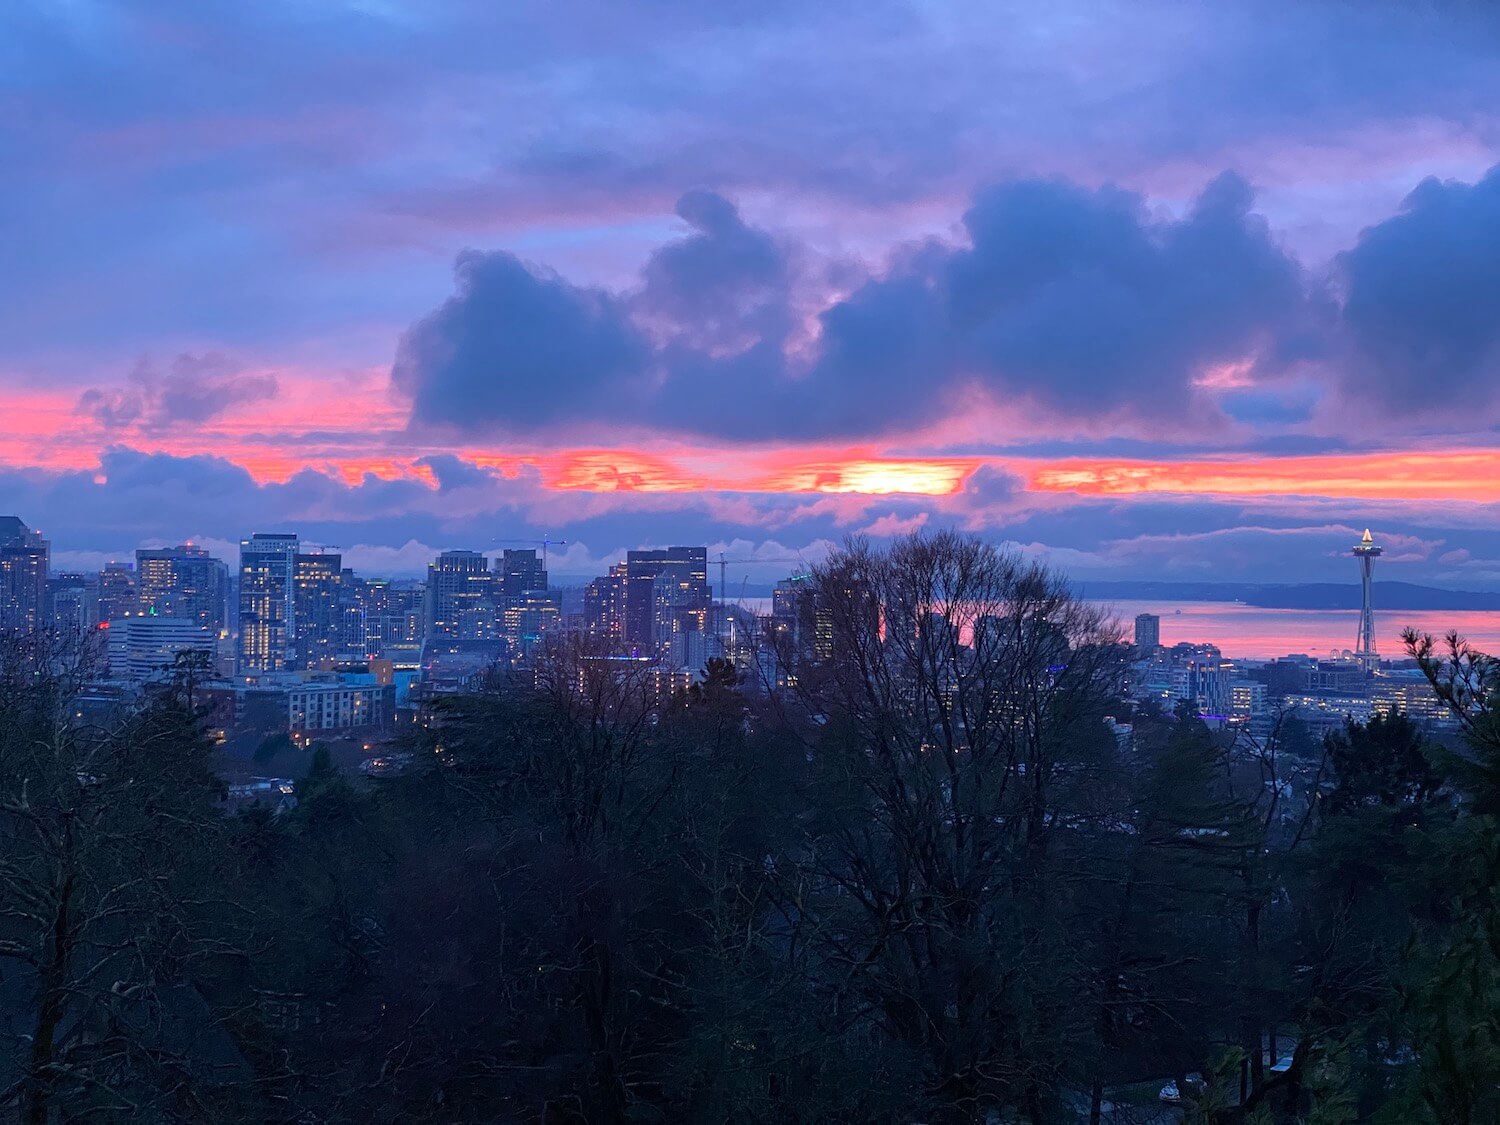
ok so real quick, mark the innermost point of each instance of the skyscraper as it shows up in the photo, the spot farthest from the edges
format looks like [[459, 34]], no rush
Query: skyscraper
[[1364, 647], [268, 624], [460, 598], [604, 604], [393, 615], [527, 611], [666, 592], [527, 619], [69, 595], [118, 596], [520, 572], [317, 582], [354, 637], [183, 582], [1147, 633], [24, 556]]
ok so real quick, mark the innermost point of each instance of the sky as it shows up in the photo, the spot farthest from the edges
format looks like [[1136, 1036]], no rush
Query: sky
[[1149, 290]]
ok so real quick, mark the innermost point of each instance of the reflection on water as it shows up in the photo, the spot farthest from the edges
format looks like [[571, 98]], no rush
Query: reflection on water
[[1255, 633]]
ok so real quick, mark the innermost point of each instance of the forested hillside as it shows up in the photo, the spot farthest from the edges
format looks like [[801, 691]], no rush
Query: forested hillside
[[931, 877]]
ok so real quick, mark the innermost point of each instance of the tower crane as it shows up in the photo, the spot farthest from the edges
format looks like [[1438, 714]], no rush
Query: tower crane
[[724, 588]]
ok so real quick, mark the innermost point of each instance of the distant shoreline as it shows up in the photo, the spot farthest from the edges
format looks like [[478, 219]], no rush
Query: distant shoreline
[[1308, 595], [1312, 595]]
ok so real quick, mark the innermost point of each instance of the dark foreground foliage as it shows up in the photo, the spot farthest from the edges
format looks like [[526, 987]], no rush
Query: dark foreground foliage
[[926, 879]]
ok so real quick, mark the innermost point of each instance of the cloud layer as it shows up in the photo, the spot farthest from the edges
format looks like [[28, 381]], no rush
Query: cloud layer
[[1148, 287], [1078, 306], [192, 389]]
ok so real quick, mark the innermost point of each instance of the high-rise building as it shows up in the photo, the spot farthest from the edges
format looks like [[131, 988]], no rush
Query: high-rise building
[[666, 592], [1206, 684], [1247, 698], [993, 634], [318, 582], [936, 632], [604, 604], [789, 596], [808, 619], [24, 556], [70, 596], [1147, 633], [354, 598], [527, 611], [460, 598], [528, 618], [183, 582], [520, 572], [118, 596], [268, 623], [792, 623], [394, 614]]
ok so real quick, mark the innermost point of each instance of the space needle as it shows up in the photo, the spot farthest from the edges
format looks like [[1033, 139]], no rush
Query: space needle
[[1367, 552]]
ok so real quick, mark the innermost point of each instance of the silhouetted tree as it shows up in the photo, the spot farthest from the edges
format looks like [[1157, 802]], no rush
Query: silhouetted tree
[[110, 850]]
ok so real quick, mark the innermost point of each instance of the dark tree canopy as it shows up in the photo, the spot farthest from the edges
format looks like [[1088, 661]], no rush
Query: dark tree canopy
[[927, 862]]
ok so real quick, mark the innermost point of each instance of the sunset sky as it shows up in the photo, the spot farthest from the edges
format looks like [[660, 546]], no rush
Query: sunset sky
[[1192, 290]]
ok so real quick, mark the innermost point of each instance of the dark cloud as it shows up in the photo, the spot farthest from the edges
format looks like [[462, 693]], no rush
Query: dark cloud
[[725, 287], [1075, 300], [454, 472], [191, 389], [1078, 301], [1272, 408], [331, 159], [1422, 304], [307, 150], [990, 487], [517, 347], [133, 498]]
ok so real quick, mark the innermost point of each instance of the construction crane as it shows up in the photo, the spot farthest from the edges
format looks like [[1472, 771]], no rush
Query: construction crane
[[543, 543], [723, 564], [724, 588]]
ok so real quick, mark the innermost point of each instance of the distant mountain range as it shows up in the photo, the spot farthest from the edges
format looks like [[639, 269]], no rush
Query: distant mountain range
[[1310, 595]]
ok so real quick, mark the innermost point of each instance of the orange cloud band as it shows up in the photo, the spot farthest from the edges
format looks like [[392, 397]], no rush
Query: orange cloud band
[[841, 472], [1458, 475], [349, 430]]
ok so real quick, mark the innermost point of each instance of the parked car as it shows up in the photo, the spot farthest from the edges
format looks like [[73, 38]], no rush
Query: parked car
[[1173, 1096]]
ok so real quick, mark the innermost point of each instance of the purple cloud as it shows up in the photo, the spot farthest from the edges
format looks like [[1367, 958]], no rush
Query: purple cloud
[[1077, 301], [1422, 304], [191, 389]]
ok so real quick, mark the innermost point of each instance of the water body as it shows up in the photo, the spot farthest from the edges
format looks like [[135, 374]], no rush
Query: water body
[[1254, 633]]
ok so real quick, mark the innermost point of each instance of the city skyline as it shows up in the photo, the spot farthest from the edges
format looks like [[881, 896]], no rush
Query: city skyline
[[573, 568], [465, 600], [1180, 317]]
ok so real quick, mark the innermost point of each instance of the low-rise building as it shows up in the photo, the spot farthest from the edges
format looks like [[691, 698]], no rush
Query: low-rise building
[[351, 702]]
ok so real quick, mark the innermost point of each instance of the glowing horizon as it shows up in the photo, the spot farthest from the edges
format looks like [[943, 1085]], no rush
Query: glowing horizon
[[1172, 320]]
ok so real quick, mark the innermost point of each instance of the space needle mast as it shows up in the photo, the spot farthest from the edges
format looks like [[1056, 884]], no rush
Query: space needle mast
[[1364, 649]]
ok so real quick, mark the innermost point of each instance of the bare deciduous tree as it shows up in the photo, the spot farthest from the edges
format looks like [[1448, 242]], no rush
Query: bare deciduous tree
[[102, 828], [958, 700]]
